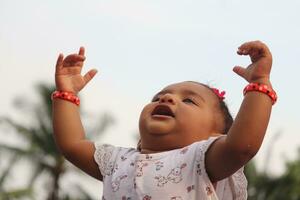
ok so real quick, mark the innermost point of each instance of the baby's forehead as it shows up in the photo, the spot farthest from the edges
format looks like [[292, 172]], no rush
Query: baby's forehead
[[187, 86]]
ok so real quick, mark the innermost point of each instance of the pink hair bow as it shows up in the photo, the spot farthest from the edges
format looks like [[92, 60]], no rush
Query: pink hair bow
[[221, 95]]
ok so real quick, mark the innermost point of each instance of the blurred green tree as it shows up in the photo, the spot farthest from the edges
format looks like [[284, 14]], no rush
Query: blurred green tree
[[40, 149], [263, 186]]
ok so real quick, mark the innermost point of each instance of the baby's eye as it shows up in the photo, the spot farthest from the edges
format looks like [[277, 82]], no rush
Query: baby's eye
[[189, 100], [155, 99]]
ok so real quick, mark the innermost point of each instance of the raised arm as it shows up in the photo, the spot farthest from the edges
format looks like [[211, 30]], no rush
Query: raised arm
[[68, 130], [245, 137]]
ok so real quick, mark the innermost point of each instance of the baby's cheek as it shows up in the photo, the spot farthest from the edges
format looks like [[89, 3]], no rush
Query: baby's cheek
[[142, 117], [146, 111]]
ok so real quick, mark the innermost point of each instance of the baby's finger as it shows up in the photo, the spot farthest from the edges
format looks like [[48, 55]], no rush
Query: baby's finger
[[242, 51], [241, 71], [59, 62], [261, 48], [89, 75], [253, 47], [244, 48], [73, 59], [81, 51]]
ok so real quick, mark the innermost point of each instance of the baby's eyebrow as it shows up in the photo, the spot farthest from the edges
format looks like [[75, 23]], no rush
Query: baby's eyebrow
[[193, 93]]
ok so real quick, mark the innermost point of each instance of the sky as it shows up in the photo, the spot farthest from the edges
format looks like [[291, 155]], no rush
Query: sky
[[140, 46]]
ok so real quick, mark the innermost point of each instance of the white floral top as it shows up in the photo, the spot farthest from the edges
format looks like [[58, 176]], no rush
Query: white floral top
[[172, 175]]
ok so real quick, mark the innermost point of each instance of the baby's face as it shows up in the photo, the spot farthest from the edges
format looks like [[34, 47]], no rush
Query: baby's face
[[178, 115]]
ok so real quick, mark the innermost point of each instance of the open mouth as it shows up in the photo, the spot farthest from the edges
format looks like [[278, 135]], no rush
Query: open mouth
[[163, 110]]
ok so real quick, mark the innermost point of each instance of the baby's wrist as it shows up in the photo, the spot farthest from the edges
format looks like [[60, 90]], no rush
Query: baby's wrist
[[263, 81], [262, 88], [64, 88], [64, 95], [67, 90], [65, 85]]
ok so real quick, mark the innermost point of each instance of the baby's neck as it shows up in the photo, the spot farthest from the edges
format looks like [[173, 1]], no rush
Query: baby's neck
[[149, 151]]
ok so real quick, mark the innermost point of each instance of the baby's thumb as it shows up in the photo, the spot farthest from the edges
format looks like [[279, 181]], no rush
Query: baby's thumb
[[241, 71], [89, 75]]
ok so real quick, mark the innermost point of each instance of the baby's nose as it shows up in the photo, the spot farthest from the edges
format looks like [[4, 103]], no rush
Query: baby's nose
[[167, 98]]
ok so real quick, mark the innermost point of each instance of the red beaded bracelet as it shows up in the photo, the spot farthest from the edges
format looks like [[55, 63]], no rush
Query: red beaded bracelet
[[263, 89], [69, 96]]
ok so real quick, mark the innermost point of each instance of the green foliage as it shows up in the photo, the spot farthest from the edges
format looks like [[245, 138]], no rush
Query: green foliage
[[40, 149], [262, 186], [16, 194]]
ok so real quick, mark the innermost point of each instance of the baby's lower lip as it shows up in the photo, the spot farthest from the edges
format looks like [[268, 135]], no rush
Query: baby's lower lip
[[162, 116]]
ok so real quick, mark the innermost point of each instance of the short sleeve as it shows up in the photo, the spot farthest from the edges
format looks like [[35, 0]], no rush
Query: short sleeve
[[102, 156], [238, 184], [233, 187], [202, 149]]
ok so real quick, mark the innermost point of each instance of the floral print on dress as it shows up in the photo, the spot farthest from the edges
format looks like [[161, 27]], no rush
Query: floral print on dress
[[126, 198], [117, 182], [134, 183], [147, 197], [175, 176], [161, 180], [139, 167], [208, 190], [176, 198], [115, 169], [158, 165], [184, 150], [190, 188], [131, 175], [123, 158], [198, 166]]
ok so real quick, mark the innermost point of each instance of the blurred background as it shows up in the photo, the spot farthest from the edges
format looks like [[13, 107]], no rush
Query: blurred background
[[138, 47]]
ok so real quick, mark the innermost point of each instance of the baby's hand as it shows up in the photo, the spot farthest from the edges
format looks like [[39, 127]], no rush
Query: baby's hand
[[259, 70], [68, 72]]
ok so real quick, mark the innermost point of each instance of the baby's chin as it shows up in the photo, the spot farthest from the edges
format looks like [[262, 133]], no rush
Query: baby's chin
[[159, 128]]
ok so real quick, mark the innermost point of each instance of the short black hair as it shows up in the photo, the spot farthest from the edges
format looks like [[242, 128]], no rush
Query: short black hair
[[228, 119]]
